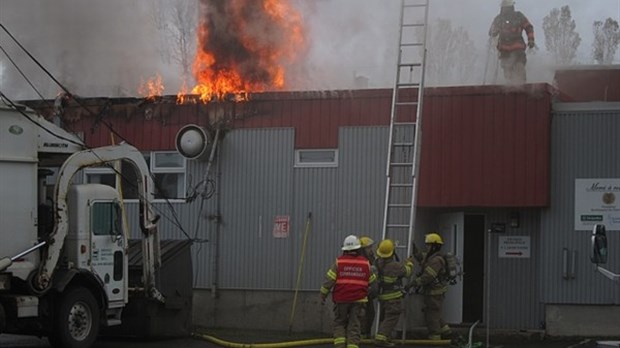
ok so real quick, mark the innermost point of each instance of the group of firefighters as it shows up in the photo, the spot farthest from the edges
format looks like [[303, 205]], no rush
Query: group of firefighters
[[358, 277]]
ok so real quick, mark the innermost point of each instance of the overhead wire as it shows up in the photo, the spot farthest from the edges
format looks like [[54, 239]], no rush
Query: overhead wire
[[175, 220]]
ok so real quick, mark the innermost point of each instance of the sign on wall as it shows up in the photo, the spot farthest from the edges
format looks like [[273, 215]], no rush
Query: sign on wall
[[596, 202], [514, 246], [281, 225]]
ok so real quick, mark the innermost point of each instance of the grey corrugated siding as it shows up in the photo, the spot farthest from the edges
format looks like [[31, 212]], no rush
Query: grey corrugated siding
[[585, 144], [515, 300]]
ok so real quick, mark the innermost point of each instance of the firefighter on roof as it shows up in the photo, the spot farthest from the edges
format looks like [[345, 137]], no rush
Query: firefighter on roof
[[508, 26], [348, 280]]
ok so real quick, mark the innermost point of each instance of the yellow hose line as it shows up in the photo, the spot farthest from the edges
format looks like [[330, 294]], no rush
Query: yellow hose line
[[309, 342]]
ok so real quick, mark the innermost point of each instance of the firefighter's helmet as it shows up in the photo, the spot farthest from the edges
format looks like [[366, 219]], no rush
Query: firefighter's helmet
[[351, 243], [433, 238], [366, 241], [385, 249], [507, 3]]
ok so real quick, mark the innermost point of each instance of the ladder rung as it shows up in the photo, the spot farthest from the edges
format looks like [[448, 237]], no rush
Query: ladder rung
[[399, 205], [402, 65], [406, 103], [407, 84], [410, 25], [403, 144], [397, 226], [400, 246], [401, 164], [414, 5], [401, 185], [410, 44], [404, 123]]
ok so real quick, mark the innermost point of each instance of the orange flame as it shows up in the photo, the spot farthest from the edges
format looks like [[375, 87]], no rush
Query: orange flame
[[152, 88], [244, 46]]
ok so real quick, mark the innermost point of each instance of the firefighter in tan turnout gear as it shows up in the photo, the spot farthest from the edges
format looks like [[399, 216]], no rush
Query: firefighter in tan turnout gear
[[390, 273], [348, 280], [508, 26], [367, 246], [432, 283]]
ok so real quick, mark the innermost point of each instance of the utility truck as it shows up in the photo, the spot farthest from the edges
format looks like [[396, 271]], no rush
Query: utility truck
[[63, 253]]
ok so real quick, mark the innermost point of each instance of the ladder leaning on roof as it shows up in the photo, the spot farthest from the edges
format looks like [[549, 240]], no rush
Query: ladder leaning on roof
[[405, 127]]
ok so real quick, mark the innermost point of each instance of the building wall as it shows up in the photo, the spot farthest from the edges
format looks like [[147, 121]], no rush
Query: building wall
[[584, 145]]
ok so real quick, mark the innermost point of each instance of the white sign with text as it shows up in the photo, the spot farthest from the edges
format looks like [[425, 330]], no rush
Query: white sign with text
[[596, 202], [514, 246]]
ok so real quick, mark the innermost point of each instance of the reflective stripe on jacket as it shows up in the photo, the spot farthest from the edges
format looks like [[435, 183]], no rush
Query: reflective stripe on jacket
[[349, 279], [510, 26], [390, 273], [433, 274]]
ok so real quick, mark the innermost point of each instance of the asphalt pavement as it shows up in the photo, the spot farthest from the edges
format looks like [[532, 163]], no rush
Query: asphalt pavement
[[13, 341]]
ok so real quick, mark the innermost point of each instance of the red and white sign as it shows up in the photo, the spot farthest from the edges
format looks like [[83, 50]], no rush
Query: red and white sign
[[514, 246], [281, 224]]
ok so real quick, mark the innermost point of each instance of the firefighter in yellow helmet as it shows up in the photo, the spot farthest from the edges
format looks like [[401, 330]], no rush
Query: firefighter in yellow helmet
[[431, 282], [367, 246], [348, 280], [390, 272]]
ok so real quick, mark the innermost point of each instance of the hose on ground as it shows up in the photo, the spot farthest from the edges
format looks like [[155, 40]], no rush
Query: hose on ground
[[310, 342]]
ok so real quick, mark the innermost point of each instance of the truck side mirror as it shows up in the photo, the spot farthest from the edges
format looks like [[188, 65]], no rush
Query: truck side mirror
[[599, 245]]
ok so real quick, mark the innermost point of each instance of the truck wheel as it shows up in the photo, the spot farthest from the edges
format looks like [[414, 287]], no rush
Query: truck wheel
[[76, 324]]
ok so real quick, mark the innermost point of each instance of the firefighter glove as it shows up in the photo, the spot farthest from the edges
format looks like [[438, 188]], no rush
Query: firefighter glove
[[323, 297], [531, 44]]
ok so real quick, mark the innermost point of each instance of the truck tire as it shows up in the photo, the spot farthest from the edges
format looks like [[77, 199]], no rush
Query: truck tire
[[76, 323]]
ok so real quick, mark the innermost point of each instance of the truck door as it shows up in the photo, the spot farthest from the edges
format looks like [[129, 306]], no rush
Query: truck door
[[108, 259]]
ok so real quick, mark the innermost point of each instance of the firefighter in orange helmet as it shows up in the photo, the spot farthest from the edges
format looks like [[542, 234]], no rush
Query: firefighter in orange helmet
[[509, 26], [348, 280]]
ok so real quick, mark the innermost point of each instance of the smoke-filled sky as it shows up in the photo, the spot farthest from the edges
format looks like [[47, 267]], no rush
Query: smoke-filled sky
[[106, 48]]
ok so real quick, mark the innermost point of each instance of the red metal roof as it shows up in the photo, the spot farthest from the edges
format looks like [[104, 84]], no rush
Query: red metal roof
[[483, 146], [589, 83]]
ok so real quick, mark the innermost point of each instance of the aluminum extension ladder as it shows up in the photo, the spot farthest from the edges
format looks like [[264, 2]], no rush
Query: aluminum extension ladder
[[405, 129]]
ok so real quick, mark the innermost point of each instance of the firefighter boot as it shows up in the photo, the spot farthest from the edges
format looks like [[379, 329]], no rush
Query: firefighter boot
[[445, 330], [383, 341], [434, 337]]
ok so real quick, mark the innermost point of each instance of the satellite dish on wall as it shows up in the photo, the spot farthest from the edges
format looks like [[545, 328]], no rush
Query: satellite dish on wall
[[192, 142]]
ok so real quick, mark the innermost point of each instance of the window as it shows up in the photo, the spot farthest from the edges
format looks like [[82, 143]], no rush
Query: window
[[105, 219], [316, 158], [168, 170]]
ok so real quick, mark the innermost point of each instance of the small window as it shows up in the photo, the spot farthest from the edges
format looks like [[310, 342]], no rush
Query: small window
[[105, 219], [168, 170], [316, 158]]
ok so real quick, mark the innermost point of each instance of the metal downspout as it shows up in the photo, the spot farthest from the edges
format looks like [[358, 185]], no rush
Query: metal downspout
[[216, 237]]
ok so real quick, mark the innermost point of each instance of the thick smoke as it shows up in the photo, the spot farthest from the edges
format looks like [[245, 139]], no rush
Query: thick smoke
[[248, 37], [106, 48]]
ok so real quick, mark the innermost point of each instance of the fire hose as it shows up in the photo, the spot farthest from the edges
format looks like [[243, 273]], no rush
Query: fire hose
[[310, 342]]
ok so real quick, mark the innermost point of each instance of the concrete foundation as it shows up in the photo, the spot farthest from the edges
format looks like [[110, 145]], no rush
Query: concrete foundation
[[271, 310], [582, 320]]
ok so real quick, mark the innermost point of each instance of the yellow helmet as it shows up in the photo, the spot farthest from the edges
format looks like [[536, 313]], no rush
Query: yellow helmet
[[433, 238], [366, 241], [385, 249]]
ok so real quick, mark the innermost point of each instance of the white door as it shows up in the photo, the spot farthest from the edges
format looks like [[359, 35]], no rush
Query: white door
[[451, 230], [107, 257]]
